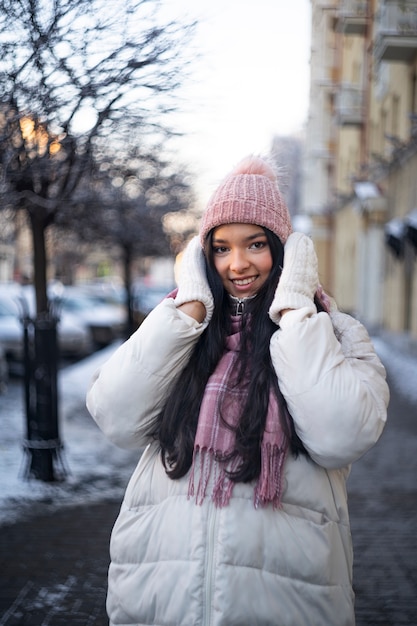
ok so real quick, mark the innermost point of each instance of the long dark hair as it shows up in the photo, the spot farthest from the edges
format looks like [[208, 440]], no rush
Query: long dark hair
[[176, 425]]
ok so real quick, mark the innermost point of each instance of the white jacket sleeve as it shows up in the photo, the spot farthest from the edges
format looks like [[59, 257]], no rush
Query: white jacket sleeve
[[333, 382], [129, 390]]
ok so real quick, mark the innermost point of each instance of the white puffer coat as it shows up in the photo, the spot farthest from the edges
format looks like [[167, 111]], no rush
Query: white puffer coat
[[175, 563]]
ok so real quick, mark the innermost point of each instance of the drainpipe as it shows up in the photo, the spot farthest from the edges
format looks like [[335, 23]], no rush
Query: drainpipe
[[367, 82]]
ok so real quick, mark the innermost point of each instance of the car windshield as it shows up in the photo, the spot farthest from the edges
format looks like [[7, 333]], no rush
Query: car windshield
[[77, 304], [6, 309]]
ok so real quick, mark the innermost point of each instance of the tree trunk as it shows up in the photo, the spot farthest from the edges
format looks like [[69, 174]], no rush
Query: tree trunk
[[127, 260]]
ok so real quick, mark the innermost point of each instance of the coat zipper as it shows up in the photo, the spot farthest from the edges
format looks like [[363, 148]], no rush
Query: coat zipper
[[209, 574]]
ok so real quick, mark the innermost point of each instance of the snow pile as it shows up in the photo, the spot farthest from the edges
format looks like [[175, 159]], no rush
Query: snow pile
[[96, 468], [401, 368]]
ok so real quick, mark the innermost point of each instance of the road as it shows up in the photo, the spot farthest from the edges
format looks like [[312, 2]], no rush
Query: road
[[383, 509]]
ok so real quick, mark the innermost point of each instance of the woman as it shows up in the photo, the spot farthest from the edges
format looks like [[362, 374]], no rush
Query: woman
[[253, 399]]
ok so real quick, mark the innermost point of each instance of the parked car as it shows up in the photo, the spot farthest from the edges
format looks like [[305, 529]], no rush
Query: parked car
[[11, 329], [4, 370], [147, 297], [74, 339], [106, 322], [106, 292]]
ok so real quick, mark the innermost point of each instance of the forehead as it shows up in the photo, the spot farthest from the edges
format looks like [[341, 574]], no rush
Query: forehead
[[237, 231]]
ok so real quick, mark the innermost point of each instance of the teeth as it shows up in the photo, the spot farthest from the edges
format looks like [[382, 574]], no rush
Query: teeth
[[244, 281]]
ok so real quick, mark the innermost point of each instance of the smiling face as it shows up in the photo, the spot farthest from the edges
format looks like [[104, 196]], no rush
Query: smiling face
[[242, 258]]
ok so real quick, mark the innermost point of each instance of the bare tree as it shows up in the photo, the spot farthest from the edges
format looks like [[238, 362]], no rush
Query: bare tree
[[70, 72], [124, 202], [69, 65]]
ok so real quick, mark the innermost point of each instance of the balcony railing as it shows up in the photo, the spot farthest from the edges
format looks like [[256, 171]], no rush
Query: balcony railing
[[352, 17], [396, 31], [349, 105]]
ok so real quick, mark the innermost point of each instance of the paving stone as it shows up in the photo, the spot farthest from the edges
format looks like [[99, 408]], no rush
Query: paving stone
[[54, 567]]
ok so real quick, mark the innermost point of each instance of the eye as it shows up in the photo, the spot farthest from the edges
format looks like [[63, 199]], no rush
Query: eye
[[219, 249], [259, 245]]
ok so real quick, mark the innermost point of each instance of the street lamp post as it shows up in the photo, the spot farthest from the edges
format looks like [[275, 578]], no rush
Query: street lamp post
[[42, 444], [43, 447]]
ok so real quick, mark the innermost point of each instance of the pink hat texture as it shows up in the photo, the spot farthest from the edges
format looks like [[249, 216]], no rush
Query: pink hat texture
[[248, 195]]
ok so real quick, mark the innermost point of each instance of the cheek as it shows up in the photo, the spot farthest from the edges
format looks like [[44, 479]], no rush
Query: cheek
[[267, 264], [219, 265]]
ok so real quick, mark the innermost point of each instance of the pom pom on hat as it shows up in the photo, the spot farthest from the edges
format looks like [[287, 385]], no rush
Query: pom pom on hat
[[248, 195]]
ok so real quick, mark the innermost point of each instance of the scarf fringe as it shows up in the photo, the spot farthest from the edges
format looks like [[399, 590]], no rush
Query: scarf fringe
[[268, 489], [206, 461], [223, 486], [210, 470]]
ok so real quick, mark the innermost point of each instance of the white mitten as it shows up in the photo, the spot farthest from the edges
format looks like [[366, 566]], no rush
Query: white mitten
[[299, 279], [192, 281]]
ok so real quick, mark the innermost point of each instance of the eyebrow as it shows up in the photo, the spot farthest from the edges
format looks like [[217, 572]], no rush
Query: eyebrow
[[260, 233]]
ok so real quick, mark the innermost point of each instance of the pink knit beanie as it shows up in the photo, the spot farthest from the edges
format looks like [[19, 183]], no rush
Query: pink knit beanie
[[248, 195]]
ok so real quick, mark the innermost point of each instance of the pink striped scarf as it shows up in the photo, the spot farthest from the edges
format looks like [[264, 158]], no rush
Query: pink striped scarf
[[214, 439]]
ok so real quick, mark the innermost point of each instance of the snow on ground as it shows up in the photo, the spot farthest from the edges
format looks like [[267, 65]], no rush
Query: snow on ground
[[98, 469], [401, 365]]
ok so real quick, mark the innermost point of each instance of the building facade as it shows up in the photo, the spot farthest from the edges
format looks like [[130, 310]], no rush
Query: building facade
[[360, 162]]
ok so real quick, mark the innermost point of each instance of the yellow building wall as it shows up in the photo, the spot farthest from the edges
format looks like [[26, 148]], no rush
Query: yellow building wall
[[322, 237], [390, 108], [400, 301], [352, 59], [348, 161], [394, 310], [347, 223]]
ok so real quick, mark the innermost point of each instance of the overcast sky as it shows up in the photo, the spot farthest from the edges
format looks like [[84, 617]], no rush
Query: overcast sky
[[251, 81]]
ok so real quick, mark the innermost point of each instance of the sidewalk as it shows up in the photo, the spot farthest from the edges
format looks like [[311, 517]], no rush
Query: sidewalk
[[54, 556], [383, 512], [54, 567]]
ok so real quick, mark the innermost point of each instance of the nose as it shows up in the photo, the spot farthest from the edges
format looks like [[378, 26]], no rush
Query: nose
[[238, 261]]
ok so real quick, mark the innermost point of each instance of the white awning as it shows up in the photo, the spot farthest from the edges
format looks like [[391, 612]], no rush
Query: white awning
[[366, 190], [395, 231], [369, 196], [395, 228]]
